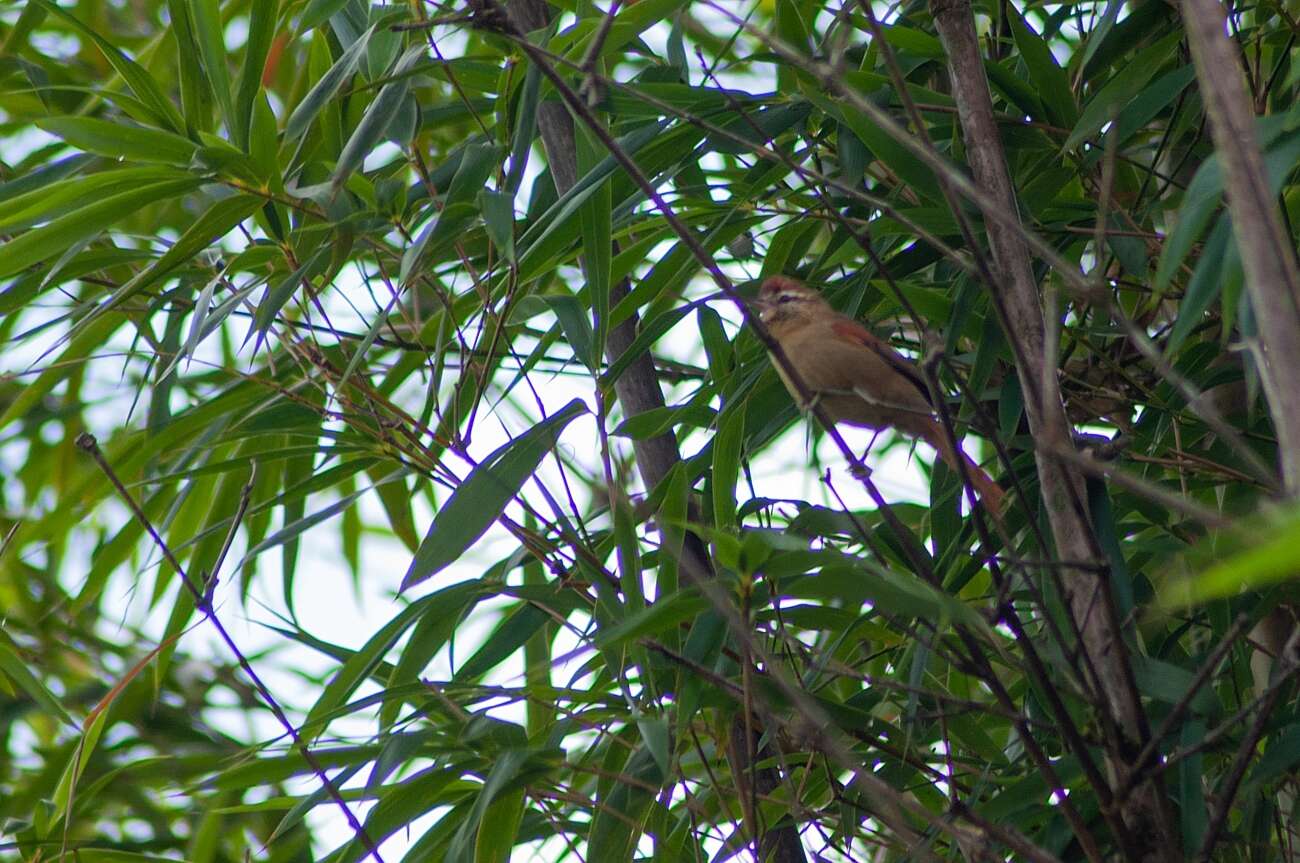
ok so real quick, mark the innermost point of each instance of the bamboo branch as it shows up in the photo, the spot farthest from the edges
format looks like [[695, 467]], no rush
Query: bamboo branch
[[1267, 253]]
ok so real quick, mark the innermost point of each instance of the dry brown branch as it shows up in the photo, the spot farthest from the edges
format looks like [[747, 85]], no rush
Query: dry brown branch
[[1151, 834], [1267, 254]]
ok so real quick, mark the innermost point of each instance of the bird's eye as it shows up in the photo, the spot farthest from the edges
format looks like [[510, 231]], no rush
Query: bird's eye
[[785, 298]]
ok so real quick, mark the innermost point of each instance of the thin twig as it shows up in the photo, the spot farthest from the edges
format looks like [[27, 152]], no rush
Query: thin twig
[[1202, 675], [1245, 755], [203, 603], [1138, 486]]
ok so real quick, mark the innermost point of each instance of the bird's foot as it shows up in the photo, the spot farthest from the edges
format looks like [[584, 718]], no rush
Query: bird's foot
[[807, 407]]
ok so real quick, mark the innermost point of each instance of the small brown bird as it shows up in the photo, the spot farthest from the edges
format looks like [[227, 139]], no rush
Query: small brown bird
[[854, 376]]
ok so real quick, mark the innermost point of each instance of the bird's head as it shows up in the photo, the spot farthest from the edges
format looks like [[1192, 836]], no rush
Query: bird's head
[[782, 300]]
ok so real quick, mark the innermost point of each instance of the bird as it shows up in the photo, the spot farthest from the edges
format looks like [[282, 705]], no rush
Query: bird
[[855, 377]]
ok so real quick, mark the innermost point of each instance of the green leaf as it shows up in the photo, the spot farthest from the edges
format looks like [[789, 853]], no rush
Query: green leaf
[[480, 499], [746, 132], [1279, 757], [501, 779], [296, 528], [18, 670], [498, 830], [1097, 36], [1108, 538], [53, 239], [458, 208], [45, 176], [651, 331], [662, 616], [571, 314], [443, 612], [1050, 81], [658, 739], [727, 444], [1272, 556], [567, 207], [630, 22], [28, 20], [279, 294], [510, 636], [196, 94], [618, 824], [325, 87], [716, 344], [525, 126], [1148, 105], [264, 144], [1203, 289], [1201, 200], [362, 664], [657, 421], [597, 248], [318, 12], [1193, 813], [64, 794], [399, 805], [261, 29], [109, 855], [308, 802], [1123, 87], [910, 170], [498, 210], [209, 32], [140, 81], [121, 140], [41, 203], [217, 221], [787, 246], [396, 499], [375, 122]]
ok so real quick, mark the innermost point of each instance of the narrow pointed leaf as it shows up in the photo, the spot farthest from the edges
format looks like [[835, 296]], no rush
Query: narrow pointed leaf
[[137, 78], [121, 140], [482, 497], [374, 123], [49, 240], [325, 88]]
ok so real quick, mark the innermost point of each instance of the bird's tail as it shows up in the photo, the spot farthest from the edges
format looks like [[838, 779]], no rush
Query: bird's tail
[[990, 493]]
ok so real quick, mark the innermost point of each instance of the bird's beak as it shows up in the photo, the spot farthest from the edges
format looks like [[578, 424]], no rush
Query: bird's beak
[[759, 307]]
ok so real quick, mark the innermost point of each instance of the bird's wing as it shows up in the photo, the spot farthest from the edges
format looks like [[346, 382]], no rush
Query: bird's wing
[[854, 332]]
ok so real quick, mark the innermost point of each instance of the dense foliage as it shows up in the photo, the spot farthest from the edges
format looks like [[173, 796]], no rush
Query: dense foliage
[[293, 287]]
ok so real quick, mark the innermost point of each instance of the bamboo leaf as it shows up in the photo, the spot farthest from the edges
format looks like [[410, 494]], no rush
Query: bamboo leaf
[[325, 87], [209, 33], [121, 140], [261, 30], [52, 239], [377, 118], [458, 208], [480, 499], [318, 12], [19, 672], [1049, 79], [499, 218], [1122, 88], [137, 78]]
